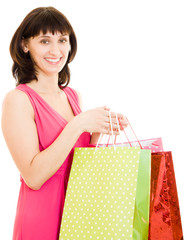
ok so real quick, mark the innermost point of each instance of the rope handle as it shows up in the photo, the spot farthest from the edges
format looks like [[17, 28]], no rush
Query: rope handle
[[132, 131], [114, 139], [101, 135]]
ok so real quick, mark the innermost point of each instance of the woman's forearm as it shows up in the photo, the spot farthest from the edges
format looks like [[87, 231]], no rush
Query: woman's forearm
[[48, 161]]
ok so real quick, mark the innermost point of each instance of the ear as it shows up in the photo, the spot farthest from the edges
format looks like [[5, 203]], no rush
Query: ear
[[24, 46]]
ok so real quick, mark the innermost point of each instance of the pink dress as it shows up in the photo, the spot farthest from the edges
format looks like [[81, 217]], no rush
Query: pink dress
[[39, 213]]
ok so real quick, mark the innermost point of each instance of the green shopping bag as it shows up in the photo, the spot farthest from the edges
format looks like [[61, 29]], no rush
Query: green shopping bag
[[142, 202], [100, 200]]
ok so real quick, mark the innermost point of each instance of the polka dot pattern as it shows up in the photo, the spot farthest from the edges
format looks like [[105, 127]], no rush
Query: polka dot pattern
[[101, 194]]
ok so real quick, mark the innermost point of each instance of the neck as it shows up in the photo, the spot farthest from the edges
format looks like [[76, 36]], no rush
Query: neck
[[47, 85]]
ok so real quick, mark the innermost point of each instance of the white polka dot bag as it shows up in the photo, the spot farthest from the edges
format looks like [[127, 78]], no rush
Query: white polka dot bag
[[100, 200]]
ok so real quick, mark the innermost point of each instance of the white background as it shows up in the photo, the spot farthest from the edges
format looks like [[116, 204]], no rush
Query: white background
[[133, 56]]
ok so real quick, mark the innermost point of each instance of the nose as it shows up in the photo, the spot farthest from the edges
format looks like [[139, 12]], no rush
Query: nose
[[54, 49]]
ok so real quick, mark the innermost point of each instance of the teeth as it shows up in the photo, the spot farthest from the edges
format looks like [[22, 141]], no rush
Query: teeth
[[53, 60]]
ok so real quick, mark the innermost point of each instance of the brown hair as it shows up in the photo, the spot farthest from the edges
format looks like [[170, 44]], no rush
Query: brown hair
[[45, 19]]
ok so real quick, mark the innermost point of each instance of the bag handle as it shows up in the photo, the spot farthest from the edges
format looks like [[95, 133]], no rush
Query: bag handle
[[114, 137], [132, 131], [101, 135], [119, 123]]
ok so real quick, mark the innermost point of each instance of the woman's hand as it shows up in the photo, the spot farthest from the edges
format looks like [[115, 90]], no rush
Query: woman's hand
[[98, 121]]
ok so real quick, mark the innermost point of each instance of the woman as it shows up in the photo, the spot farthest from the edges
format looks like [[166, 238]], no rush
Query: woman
[[42, 121]]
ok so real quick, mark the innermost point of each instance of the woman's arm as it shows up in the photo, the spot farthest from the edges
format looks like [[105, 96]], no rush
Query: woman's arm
[[20, 132], [21, 136]]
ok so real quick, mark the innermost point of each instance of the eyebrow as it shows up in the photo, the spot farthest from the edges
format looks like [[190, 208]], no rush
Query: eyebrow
[[47, 36]]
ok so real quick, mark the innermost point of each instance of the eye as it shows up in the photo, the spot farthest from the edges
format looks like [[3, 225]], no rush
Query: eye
[[44, 41], [63, 40]]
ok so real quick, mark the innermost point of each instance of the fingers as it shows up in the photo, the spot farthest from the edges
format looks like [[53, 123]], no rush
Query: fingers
[[109, 132], [115, 124], [123, 124], [106, 108], [118, 121]]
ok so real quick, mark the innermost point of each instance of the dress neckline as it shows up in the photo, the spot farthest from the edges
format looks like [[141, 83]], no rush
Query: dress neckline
[[49, 106]]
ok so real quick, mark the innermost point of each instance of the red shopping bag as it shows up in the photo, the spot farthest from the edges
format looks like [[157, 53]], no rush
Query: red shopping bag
[[164, 220]]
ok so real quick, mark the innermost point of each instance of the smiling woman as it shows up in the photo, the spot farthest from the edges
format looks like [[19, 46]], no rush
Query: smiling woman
[[42, 24]]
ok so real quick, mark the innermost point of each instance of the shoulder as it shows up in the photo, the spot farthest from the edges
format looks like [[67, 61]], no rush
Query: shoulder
[[15, 97], [14, 93], [17, 100]]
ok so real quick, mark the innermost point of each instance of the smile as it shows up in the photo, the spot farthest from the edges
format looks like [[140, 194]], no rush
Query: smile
[[53, 60]]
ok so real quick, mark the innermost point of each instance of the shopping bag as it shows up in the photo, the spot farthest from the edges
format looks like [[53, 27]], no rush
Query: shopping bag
[[101, 193], [142, 202], [165, 220]]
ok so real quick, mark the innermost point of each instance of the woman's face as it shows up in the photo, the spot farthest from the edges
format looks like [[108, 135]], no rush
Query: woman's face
[[49, 52]]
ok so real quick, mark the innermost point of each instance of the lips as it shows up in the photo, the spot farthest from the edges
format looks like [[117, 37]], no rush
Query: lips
[[53, 60]]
